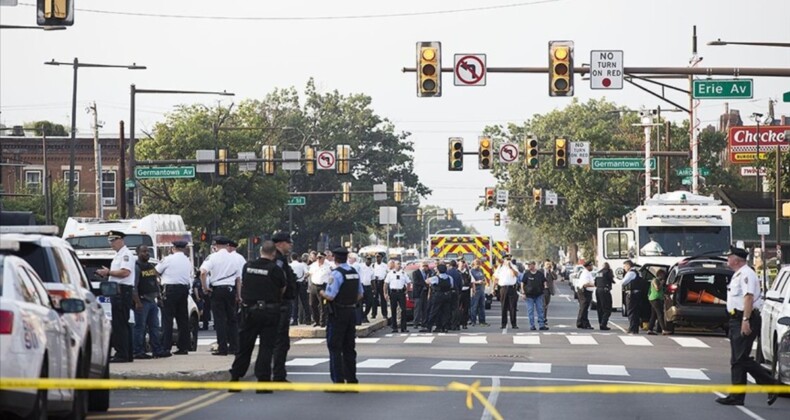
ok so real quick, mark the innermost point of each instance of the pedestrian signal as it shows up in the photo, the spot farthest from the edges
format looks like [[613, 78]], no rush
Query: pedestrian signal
[[267, 153], [560, 68], [203, 236], [532, 152], [343, 159], [489, 197], [537, 195], [54, 12], [256, 240], [497, 219], [456, 154], [560, 153], [484, 150], [309, 160], [222, 165], [429, 69], [346, 192], [397, 187]]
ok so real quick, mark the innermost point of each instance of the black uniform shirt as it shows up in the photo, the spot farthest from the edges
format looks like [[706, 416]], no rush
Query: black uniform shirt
[[290, 276], [147, 286], [262, 280]]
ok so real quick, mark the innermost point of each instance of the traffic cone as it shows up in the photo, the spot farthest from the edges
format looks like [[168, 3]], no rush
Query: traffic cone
[[706, 297], [692, 296]]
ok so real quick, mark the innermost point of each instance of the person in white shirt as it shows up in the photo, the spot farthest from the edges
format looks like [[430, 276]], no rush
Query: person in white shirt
[[240, 260], [652, 249], [585, 284], [319, 277], [121, 271], [301, 306], [379, 273], [366, 278], [395, 292], [506, 276], [175, 271], [225, 292]]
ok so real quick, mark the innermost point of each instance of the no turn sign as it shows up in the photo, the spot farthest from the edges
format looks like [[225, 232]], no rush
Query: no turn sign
[[326, 160], [606, 69], [508, 153], [470, 70]]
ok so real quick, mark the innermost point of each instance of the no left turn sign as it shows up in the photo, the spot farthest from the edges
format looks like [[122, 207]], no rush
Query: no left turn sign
[[508, 153], [325, 160], [470, 70]]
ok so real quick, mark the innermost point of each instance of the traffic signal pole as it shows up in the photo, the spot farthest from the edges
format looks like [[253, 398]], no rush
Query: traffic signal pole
[[648, 71]]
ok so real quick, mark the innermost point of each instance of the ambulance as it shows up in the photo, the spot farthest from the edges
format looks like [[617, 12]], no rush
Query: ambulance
[[469, 247], [500, 249]]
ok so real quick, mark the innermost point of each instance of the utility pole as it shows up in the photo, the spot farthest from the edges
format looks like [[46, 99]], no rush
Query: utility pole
[[98, 208], [46, 186], [122, 170], [693, 121]]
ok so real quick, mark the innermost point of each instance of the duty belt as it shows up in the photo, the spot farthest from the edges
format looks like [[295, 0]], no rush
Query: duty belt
[[262, 305], [736, 314], [345, 306]]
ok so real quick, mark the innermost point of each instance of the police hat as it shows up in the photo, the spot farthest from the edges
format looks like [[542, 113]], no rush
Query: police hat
[[340, 251], [115, 234], [739, 252], [180, 244], [441, 268], [281, 237], [233, 243], [320, 255], [590, 263], [221, 240]]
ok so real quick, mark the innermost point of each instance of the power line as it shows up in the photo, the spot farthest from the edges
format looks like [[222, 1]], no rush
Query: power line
[[312, 18]]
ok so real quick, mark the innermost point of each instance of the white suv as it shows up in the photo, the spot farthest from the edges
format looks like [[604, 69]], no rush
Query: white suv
[[56, 264], [776, 304]]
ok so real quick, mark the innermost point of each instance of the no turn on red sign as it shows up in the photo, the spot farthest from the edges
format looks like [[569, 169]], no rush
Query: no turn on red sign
[[606, 69], [469, 69]]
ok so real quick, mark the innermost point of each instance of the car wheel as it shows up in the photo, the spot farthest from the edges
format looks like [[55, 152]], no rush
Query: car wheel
[[40, 405], [194, 327], [99, 399], [775, 373], [79, 407]]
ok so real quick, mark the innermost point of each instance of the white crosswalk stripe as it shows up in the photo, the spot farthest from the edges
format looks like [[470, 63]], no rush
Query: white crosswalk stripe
[[526, 339], [306, 361], [473, 340], [419, 340], [609, 370], [531, 367], [581, 340], [690, 342], [454, 365], [367, 340], [683, 373], [630, 340], [378, 363], [305, 341]]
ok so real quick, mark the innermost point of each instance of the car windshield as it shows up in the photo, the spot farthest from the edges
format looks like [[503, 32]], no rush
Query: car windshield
[[683, 241], [100, 242]]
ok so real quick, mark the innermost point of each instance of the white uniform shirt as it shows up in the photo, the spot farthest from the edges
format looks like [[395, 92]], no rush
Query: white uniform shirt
[[300, 270], [204, 267], [123, 259], [504, 275], [365, 274], [175, 269], [380, 271], [743, 282], [584, 278], [319, 274], [240, 260], [223, 267], [397, 280]]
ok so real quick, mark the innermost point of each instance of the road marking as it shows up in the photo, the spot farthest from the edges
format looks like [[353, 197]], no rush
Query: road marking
[[531, 367], [419, 340], [581, 340], [743, 409], [611, 370], [690, 342], [206, 341], [526, 339], [681, 373], [631, 340], [109, 416], [184, 404], [310, 341], [454, 365], [618, 327], [195, 407], [378, 363], [473, 340], [492, 398], [367, 340], [306, 361], [115, 409]]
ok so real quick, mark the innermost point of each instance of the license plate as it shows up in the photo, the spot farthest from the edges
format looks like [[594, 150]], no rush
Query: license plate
[[104, 299]]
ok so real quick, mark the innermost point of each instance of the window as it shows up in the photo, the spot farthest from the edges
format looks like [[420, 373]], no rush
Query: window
[[108, 187], [616, 244], [33, 180], [76, 178], [683, 241]]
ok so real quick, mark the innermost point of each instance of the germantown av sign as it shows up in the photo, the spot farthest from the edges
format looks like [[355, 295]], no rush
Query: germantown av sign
[[742, 142]]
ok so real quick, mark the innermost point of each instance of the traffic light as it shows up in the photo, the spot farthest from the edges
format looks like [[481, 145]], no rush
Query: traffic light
[[309, 160], [489, 197], [419, 215], [256, 240], [456, 154], [346, 192], [55, 12], [267, 153], [343, 159], [203, 236], [560, 153], [531, 156], [429, 69], [449, 213], [560, 68], [484, 151], [222, 166], [537, 194], [397, 187], [497, 219]]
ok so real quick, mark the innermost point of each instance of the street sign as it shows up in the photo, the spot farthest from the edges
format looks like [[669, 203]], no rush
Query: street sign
[[786, 97], [508, 153], [686, 181], [606, 69], [379, 192], [164, 172], [470, 70], [247, 166], [763, 226], [742, 142], [208, 168], [294, 157], [687, 171], [297, 200], [751, 171], [551, 198], [621, 164], [130, 183], [501, 196], [579, 153], [388, 215], [723, 89], [325, 160]]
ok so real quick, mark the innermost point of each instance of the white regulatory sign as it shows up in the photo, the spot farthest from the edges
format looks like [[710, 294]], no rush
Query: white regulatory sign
[[469, 69], [502, 196], [763, 226], [606, 69], [551, 198], [325, 160], [508, 153], [579, 153]]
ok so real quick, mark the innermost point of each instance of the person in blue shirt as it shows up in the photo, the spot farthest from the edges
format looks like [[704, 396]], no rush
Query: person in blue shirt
[[636, 292], [343, 293], [455, 313]]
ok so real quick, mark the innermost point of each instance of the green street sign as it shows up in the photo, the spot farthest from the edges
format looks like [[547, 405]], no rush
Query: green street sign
[[723, 89], [130, 183], [620, 164], [687, 171], [163, 172], [686, 181], [786, 97], [297, 200]]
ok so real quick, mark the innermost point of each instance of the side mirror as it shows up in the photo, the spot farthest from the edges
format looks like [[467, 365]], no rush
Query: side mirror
[[785, 320], [108, 288], [72, 306]]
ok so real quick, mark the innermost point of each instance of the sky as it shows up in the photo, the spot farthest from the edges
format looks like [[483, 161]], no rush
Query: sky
[[356, 46]]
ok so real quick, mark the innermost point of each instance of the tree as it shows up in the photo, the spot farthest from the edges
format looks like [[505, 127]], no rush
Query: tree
[[47, 128], [36, 203]]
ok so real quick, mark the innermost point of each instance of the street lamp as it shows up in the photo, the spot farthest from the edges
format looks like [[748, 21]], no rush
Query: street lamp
[[134, 91], [76, 65], [719, 42], [447, 230]]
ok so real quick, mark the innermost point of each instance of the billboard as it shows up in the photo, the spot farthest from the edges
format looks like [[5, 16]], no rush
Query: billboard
[[742, 142]]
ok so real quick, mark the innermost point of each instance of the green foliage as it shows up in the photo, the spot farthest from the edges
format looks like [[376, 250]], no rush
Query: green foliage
[[37, 203], [47, 128]]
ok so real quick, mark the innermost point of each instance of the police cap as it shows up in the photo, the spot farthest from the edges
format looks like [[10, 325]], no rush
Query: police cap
[[441, 268], [180, 244], [738, 252], [281, 237], [233, 243], [115, 234], [221, 240], [340, 251], [590, 263]]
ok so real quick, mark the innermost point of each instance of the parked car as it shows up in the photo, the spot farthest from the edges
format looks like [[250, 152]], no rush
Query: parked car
[[781, 370], [776, 305], [56, 264], [696, 293], [35, 341]]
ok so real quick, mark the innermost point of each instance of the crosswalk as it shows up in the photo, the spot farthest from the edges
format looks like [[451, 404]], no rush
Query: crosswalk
[[469, 366]]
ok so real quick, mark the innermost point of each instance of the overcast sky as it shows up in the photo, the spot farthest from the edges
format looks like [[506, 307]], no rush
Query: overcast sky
[[365, 55]]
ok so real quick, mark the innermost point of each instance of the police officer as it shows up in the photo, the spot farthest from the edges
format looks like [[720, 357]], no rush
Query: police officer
[[261, 301], [441, 288], [146, 310], [343, 293], [121, 271], [395, 291], [636, 291], [744, 301], [282, 241], [603, 293], [225, 292], [584, 282], [176, 273]]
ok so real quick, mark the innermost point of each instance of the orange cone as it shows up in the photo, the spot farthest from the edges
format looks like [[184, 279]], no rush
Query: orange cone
[[709, 298], [692, 296]]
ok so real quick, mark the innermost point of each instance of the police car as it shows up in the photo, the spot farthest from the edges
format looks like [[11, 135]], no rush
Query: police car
[[776, 306], [35, 342], [53, 259]]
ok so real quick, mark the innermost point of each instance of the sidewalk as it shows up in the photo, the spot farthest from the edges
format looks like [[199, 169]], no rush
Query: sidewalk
[[203, 366]]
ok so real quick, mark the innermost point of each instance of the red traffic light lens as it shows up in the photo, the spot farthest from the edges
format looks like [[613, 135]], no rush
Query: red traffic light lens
[[429, 69]]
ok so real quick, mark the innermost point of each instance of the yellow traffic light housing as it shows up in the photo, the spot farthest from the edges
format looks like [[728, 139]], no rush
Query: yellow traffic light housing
[[497, 219], [309, 160], [537, 194], [429, 69], [222, 166], [560, 153], [560, 68], [397, 187], [346, 192], [449, 213], [419, 215], [484, 152], [489, 203], [343, 159], [55, 12], [456, 154], [267, 153], [531, 155]]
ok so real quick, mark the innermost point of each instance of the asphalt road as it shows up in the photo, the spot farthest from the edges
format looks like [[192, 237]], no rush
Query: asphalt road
[[561, 356]]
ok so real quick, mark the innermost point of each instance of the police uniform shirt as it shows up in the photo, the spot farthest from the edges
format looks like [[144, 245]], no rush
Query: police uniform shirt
[[365, 274], [397, 280], [224, 269], [124, 259], [263, 280], [380, 271], [300, 270], [629, 277], [175, 269], [204, 267], [504, 275], [743, 282], [319, 274], [337, 280], [584, 278], [240, 260]]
